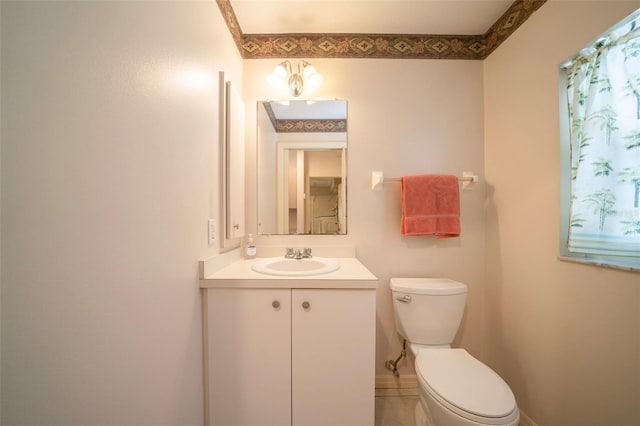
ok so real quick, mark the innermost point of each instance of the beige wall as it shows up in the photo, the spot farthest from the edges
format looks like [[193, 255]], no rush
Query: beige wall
[[565, 336], [405, 117], [109, 168], [109, 174]]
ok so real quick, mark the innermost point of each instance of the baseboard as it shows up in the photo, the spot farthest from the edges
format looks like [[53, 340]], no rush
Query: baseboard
[[387, 381], [388, 385], [526, 420]]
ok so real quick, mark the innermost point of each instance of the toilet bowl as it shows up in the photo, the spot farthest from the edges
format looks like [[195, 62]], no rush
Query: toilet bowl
[[459, 390], [455, 388]]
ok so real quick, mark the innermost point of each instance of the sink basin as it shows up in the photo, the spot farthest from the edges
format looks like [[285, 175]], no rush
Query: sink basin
[[295, 267]]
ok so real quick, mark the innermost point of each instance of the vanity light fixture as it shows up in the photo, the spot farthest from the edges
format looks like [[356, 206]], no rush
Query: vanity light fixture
[[283, 77]]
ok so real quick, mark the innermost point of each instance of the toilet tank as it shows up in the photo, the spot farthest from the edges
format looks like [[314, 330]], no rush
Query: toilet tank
[[428, 311]]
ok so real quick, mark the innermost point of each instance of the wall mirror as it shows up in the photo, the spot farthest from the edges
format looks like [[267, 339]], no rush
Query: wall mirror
[[302, 171]]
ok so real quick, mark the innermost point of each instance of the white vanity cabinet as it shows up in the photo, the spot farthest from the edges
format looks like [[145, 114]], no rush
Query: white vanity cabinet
[[249, 356], [290, 356]]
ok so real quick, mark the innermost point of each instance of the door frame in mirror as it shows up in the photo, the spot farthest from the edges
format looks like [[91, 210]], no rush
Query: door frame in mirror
[[282, 173]]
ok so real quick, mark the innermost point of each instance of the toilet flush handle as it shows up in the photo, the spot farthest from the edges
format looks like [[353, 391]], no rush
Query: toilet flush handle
[[404, 299]]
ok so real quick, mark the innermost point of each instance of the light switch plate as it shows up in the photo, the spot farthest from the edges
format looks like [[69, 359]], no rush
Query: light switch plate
[[212, 231]]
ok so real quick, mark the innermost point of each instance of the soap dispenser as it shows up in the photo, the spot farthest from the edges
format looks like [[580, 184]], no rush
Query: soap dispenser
[[250, 249]]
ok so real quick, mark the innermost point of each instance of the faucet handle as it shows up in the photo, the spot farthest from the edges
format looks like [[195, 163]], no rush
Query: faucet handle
[[306, 252], [289, 252]]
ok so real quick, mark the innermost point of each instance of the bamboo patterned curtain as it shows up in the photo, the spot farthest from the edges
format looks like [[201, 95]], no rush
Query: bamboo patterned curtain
[[603, 93]]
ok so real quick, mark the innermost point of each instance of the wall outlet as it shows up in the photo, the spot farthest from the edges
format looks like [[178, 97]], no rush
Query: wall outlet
[[212, 231]]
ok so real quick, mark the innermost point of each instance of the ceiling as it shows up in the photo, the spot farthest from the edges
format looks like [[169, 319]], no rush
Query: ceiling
[[399, 29], [466, 17], [304, 109]]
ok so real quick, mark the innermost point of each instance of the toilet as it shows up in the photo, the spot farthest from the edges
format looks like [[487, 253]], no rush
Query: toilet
[[455, 388]]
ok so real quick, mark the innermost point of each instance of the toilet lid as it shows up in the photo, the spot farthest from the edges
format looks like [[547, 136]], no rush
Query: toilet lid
[[465, 382], [430, 286]]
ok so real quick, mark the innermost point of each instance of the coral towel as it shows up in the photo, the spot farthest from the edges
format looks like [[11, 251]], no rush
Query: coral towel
[[430, 205]]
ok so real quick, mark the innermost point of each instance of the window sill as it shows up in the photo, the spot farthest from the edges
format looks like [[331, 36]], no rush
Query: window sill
[[599, 263]]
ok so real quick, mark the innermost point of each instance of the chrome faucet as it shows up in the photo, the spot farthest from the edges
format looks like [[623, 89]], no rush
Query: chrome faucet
[[292, 253]]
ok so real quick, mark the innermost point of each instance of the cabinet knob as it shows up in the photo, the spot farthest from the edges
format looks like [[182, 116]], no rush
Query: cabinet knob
[[306, 305], [275, 304]]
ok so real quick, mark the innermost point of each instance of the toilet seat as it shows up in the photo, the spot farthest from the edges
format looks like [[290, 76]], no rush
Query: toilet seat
[[465, 386]]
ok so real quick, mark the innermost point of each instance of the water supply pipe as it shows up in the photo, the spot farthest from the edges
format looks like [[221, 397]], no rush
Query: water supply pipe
[[393, 364]]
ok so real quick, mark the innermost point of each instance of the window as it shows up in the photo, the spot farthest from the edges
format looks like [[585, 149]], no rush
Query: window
[[600, 136]]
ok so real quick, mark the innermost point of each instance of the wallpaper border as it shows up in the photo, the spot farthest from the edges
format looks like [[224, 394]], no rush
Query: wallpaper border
[[394, 46]]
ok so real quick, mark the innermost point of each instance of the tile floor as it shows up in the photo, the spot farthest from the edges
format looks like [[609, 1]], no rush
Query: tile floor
[[395, 410], [398, 410]]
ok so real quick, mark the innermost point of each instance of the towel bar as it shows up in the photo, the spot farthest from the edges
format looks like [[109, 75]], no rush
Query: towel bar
[[377, 179]]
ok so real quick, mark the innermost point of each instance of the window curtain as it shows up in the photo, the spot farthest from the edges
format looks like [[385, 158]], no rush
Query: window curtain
[[603, 94]]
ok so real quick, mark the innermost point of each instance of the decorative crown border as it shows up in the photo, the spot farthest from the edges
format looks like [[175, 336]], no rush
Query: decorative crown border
[[304, 125], [395, 46]]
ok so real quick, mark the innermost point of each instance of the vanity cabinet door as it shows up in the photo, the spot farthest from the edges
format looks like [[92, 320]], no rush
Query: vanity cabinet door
[[249, 359], [333, 356]]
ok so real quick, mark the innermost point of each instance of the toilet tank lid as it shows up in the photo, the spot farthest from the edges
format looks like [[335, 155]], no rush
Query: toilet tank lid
[[436, 286]]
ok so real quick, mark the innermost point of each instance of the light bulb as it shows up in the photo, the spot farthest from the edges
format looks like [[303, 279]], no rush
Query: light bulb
[[314, 81], [281, 71], [309, 71]]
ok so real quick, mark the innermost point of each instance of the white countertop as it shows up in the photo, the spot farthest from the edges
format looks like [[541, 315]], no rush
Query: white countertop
[[238, 274]]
